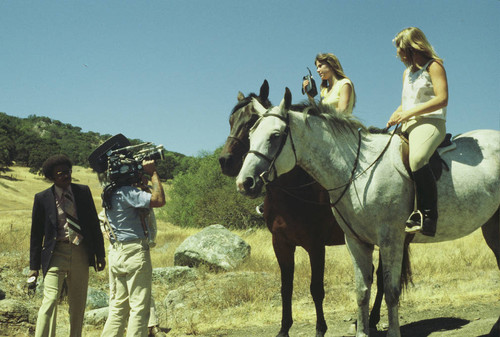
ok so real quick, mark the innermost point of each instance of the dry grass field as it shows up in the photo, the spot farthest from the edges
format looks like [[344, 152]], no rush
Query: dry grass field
[[456, 284]]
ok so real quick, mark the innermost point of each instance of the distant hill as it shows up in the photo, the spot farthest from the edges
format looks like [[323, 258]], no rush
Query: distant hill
[[29, 141]]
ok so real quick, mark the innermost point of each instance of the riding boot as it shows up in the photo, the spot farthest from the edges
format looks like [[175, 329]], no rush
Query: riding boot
[[425, 218]]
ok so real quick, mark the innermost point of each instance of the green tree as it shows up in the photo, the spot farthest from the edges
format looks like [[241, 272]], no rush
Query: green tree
[[203, 196], [40, 151], [171, 165], [7, 143]]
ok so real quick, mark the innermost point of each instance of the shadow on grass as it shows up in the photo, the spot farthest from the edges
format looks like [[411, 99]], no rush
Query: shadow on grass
[[6, 177], [425, 327]]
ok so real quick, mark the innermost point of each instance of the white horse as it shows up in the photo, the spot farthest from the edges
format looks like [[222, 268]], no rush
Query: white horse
[[371, 192]]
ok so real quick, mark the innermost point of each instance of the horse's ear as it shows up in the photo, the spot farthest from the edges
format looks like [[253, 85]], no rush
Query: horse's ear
[[264, 90], [259, 108], [288, 99], [241, 97]]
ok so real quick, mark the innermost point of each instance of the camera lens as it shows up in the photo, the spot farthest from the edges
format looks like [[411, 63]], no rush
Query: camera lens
[[158, 154]]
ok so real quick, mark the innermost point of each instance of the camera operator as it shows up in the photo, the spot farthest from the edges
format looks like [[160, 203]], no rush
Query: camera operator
[[129, 258]]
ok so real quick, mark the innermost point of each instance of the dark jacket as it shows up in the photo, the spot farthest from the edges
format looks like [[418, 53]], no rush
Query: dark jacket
[[44, 226]]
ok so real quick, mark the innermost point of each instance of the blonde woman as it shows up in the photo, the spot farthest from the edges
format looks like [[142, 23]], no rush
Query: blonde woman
[[422, 114], [336, 88]]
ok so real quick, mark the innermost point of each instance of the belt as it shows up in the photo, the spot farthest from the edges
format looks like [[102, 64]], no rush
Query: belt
[[122, 243]]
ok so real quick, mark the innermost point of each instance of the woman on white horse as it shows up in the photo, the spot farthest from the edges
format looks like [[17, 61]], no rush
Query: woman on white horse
[[423, 116], [336, 88]]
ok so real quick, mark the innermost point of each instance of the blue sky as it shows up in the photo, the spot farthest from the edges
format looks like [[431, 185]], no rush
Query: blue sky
[[169, 71]]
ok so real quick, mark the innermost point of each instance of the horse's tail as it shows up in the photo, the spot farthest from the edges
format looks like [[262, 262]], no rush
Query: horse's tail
[[406, 272]]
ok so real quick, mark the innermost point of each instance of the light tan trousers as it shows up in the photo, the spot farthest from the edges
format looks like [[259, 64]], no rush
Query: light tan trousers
[[153, 318], [130, 298], [424, 136], [72, 262]]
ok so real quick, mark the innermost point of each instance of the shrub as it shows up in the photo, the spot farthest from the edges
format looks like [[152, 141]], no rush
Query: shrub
[[203, 196]]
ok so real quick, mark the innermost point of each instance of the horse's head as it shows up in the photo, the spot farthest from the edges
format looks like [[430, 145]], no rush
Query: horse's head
[[271, 150], [243, 117]]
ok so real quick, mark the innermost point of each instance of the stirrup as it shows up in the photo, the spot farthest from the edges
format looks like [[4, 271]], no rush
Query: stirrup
[[415, 222]]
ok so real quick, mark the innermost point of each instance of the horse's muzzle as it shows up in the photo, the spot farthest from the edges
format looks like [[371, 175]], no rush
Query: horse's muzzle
[[250, 187], [227, 165]]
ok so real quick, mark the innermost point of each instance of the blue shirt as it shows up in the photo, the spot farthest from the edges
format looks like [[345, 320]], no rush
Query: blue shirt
[[124, 216]]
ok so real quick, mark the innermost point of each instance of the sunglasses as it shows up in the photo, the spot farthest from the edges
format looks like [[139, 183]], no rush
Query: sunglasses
[[63, 173]]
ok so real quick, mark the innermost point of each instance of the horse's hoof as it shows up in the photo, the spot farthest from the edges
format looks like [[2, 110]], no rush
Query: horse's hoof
[[282, 334]]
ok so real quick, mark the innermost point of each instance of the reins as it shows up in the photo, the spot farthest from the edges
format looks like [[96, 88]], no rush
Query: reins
[[264, 175], [352, 178], [356, 161], [238, 140]]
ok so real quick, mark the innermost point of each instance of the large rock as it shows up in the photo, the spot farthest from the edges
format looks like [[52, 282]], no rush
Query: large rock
[[176, 274], [97, 299], [16, 316], [13, 312], [214, 246], [97, 316]]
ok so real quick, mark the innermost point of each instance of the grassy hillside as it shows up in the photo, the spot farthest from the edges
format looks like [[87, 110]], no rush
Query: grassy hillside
[[448, 275], [18, 187]]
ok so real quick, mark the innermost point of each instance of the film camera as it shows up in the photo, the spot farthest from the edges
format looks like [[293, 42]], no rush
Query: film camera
[[125, 164], [121, 161]]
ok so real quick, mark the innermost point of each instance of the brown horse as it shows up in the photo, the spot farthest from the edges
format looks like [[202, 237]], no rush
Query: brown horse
[[297, 212]]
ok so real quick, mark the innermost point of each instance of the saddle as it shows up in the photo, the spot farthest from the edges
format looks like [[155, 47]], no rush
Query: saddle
[[436, 163]]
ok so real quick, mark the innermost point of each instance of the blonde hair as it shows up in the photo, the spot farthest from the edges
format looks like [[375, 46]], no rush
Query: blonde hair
[[412, 40], [333, 62]]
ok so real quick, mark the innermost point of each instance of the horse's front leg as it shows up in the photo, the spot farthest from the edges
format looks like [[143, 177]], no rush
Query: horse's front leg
[[375, 314], [361, 254], [317, 260], [392, 256], [285, 255]]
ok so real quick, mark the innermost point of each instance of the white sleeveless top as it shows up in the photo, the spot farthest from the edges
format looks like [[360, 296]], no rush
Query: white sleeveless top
[[418, 89], [332, 97]]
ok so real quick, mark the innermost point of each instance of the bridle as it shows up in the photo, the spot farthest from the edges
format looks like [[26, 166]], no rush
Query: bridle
[[246, 145], [244, 142], [283, 137]]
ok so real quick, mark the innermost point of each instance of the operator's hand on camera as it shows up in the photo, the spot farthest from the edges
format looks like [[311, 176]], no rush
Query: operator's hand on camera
[[149, 167]]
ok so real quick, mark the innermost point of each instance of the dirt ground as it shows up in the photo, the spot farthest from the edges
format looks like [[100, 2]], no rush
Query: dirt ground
[[472, 321], [475, 320]]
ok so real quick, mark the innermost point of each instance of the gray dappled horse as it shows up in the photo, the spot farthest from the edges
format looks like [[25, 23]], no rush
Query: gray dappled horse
[[370, 190]]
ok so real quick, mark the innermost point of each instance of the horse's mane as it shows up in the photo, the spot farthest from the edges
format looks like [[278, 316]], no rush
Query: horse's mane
[[245, 101], [337, 120]]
